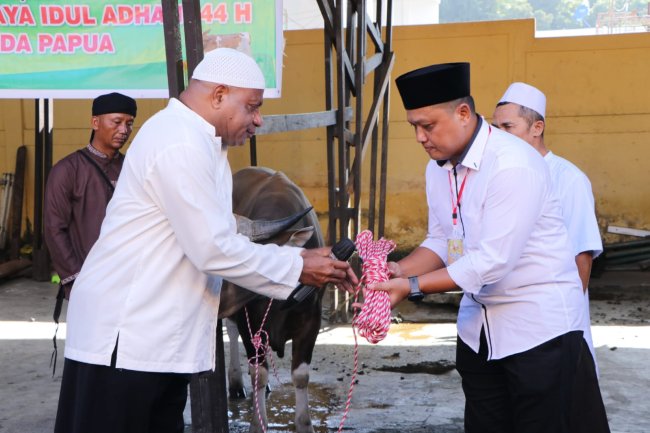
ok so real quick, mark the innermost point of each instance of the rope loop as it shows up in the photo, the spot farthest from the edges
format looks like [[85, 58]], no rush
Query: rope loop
[[373, 321]]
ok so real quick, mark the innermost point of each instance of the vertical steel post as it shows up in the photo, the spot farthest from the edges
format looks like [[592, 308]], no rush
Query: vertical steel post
[[388, 48], [43, 152], [193, 34], [173, 49], [208, 395]]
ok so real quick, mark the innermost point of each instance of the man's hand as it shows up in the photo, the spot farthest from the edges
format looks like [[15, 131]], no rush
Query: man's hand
[[395, 270], [319, 268], [398, 289]]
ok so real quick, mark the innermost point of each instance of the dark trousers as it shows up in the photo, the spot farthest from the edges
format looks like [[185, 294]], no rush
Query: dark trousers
[[100, 399], [546, 389]]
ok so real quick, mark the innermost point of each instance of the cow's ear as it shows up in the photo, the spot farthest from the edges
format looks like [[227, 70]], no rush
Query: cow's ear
[[300, 237]]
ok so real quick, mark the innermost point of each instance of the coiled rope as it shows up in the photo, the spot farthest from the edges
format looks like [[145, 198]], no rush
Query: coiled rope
[[373, 321]]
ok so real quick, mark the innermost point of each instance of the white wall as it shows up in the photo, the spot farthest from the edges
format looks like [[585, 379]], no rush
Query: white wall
[[305, 14]]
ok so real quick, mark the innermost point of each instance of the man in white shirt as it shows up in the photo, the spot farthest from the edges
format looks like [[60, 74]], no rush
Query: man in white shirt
[[143, 313], [522, 112], [495, 232]]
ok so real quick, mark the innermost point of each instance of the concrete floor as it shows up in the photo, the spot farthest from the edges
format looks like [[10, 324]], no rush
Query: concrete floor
[[395, 393]]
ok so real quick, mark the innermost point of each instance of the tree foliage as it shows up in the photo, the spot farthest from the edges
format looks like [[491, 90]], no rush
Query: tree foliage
[[548, 14]]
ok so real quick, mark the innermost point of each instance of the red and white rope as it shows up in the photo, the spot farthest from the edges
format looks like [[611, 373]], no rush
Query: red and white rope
[[260, 341], [373, 321]]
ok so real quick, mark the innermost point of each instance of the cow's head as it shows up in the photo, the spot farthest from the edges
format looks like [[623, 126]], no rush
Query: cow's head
[[273, 231], [276, 230]]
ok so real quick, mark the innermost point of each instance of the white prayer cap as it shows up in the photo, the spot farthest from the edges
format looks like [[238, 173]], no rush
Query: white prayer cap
[[526, 96], [231, 68]]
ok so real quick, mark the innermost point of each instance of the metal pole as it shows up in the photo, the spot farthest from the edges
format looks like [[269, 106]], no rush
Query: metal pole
[[388, 48], [359, 79], [39, 135], [329, 37], [43, 153], [193, 34], [253, 150], [173, 50], [342, 100]]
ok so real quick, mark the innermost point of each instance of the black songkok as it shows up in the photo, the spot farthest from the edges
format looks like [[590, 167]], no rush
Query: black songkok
[[114, 103], [434, 84]]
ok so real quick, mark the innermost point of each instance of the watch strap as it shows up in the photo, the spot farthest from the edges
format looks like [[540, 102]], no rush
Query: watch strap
[[414, 285], [416, 294]]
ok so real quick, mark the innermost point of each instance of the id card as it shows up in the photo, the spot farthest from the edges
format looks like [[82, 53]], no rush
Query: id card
[[454, 250]]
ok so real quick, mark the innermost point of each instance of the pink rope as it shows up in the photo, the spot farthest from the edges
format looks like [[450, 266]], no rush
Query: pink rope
[[262, 350], [373, 321]]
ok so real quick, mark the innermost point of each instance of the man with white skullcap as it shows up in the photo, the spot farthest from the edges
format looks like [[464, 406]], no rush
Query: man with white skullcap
[[494, 232], [522, 111], [143, 312]]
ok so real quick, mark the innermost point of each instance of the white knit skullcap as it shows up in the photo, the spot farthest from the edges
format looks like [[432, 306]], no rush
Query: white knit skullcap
[[526, 96], [229, 67]]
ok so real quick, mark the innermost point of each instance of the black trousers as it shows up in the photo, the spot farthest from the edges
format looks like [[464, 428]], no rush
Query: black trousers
[[100, 399], [552, 388]]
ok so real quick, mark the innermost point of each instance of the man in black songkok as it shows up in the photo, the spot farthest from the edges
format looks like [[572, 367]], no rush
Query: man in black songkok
[[495, 232], [80, 185]]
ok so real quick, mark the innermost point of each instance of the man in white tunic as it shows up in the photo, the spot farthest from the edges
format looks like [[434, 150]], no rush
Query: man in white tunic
[[495, 231], [143, 313], [522, 111]]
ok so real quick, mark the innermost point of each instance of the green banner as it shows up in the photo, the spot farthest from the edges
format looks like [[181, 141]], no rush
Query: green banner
[[80, 49]]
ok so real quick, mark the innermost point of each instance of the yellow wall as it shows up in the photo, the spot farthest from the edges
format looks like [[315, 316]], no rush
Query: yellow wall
[[598, 114]]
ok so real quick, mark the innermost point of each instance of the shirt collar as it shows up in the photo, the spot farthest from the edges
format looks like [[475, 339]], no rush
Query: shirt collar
[[549, 156], [473, 153], [205, 125], [100, 154]]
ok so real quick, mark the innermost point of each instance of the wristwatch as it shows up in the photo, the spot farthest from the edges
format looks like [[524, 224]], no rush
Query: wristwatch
[[416, 294]]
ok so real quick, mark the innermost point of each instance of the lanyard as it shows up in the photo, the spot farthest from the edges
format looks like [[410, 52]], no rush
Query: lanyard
[[456, 203]]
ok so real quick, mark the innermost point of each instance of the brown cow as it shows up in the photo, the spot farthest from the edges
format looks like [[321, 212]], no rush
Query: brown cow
[[265, 194]]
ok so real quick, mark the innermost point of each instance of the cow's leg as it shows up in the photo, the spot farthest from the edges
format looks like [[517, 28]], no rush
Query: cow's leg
[[236, 388], [259, 379], [300, 378], [301, 352]]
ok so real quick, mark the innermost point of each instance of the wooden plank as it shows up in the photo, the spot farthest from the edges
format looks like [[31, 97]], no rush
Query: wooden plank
[[628, 231], [12, 267], [373, 62], [17, 202], [295, 122]]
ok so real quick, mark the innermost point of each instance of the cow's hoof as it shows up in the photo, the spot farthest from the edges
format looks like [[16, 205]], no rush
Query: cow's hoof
[[237, 394], [268, 390]]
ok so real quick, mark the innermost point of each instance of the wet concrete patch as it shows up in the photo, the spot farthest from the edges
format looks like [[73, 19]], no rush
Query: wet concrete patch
[[323, 403], [427, 429], [435, 367]]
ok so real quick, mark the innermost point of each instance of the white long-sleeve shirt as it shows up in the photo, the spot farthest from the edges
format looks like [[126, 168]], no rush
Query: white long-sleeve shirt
[[518, 272], [168, 228]]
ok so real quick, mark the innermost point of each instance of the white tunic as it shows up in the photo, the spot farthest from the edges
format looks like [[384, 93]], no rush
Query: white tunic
[[168, 227], [573, 189], [518, 272], [577, 203]]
